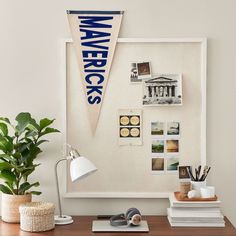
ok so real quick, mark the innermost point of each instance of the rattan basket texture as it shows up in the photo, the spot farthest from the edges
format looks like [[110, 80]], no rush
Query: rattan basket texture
[[10, 206], [37, 216]]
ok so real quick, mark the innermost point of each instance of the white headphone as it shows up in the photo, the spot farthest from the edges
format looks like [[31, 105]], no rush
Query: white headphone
[[132, 217]]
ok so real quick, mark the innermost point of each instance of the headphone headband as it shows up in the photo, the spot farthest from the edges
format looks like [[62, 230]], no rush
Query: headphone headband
[[118, 220]]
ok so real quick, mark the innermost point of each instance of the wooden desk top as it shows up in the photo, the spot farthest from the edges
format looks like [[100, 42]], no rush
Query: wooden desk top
[[158, 225]]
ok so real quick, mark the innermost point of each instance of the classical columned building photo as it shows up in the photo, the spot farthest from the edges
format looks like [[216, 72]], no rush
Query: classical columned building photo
[[163, 90]]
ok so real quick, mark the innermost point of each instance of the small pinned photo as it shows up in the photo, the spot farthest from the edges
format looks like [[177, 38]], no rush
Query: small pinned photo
[[172, 163], [157, 128], [172, 146], [183, 172], [158, 164], [158, 146], [163, 90], [134, 73], [144, 70], [173, 129]]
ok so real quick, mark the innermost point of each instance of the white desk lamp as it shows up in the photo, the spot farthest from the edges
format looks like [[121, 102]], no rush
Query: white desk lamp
[[79, 167]]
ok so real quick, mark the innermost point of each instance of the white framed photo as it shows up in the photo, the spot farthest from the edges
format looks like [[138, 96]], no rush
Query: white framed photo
[[172, 146], [158, 165], [144, 70], [173, 129], [140, 71], [158, 129], [172, 164], [130, 127], [163, 90]]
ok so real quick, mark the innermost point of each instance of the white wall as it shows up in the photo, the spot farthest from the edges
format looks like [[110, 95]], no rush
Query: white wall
[[30, 78]]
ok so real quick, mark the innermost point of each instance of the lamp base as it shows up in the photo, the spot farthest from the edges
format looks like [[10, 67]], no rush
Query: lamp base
[[63, 220]]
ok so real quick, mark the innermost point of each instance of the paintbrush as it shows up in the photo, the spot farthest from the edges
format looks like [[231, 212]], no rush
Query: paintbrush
[[199, 172], [190, 173], [206, 173]]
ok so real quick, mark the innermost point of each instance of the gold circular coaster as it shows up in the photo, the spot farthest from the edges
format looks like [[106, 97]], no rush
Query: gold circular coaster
[[134, 120], [124, 120], [134, 132], [124, 132]]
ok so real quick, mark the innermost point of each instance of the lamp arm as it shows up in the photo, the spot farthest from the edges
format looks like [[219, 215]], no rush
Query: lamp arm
[[57, 185]]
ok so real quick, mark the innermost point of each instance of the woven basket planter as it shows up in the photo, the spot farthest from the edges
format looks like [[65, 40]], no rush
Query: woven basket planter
[[10, 206], [37, 216]]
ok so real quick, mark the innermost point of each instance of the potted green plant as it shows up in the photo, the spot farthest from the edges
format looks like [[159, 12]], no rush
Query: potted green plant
[[19, 147]]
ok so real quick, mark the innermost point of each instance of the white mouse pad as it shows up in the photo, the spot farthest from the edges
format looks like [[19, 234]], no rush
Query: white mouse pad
[[104, 226]]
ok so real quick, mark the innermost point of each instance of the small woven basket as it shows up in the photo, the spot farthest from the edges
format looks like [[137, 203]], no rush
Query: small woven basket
[[37, 216]]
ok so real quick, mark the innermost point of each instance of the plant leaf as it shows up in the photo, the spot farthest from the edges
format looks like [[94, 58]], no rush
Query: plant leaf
[[27, 173], [22, 147], [5, 189], [32, 133], [5, 157], [3, 129], [26, 186], [10, 186], [34, 151], [49, 130], [8, 176], [22, 187], [41, 141], [24, 169], [6, 120], [45, 122], [33, 126], [23, 119], [5, 166], [29, 154], [35, 192], [6, 144]]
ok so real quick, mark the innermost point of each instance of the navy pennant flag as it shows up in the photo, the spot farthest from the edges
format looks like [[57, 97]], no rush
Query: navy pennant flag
[[94, 35]]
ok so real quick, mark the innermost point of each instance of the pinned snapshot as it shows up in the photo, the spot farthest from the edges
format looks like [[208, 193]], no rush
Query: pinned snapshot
[[158, 146], [163, 90], [172, 163], [140, 71], [183, 172], [130, 126], [157, 128], [172, 146], [158, 164], [173, 129]]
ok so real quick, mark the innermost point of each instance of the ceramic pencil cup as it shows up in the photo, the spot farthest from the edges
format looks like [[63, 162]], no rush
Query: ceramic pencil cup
[[197, 185]]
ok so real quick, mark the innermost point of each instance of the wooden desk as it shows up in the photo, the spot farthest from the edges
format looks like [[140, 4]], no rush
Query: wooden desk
[[158, 226]]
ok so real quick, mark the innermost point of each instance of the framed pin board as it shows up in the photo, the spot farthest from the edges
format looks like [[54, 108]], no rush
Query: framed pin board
[[133, 171]]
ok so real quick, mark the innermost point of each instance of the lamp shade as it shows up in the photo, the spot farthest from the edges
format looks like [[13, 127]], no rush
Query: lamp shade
[[81, 167]]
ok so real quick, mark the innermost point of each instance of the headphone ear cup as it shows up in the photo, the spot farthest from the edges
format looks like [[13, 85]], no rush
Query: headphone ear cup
[[128, 212], [131, 212]]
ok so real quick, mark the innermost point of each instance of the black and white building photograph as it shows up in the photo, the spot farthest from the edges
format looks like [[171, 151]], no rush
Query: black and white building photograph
[[163, 89]]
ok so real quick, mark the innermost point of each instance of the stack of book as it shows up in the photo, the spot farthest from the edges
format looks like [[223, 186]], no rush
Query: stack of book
[[194, 213]]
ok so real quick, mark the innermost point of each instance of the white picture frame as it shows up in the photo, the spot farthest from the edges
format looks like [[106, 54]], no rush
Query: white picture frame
[[203, 77]]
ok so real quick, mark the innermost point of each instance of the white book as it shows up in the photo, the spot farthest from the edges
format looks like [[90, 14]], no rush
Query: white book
[[194, 210], [175, 212], [195, 224], [175, 203], [195, 219]]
